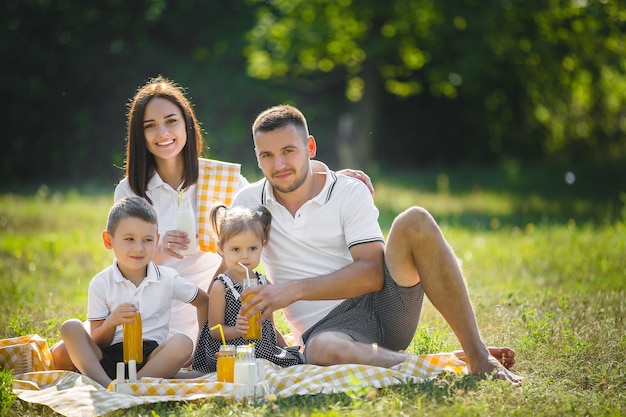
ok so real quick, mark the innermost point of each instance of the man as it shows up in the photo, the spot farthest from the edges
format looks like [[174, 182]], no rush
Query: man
[[348, 296]]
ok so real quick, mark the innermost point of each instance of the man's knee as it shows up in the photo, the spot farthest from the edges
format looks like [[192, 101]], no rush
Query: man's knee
[[328, 348], [415, 220]]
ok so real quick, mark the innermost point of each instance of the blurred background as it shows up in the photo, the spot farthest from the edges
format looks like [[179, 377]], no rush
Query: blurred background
[[399, 85]]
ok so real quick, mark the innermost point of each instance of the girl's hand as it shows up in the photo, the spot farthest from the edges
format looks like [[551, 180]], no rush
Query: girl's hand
[[242, 325]]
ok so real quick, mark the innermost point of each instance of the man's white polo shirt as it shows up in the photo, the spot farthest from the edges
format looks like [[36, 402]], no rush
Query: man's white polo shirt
[[317, 240], [108, 289]]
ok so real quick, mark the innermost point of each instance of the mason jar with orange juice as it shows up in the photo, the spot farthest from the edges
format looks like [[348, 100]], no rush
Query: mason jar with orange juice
[[226, 363]]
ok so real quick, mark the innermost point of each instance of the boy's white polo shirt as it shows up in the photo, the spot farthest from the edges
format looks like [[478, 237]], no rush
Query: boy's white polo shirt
[[316, 240], [108, 289]]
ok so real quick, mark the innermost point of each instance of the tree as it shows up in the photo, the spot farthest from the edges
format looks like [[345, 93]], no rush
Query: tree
[[498, 78]]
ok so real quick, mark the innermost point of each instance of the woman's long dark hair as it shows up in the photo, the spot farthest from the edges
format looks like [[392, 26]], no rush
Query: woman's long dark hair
[[140, 163]]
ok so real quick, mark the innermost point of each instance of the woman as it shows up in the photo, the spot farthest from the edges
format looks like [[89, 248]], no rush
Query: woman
[[163, 147]]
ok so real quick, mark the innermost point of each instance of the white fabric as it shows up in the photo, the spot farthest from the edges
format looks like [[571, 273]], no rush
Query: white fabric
[[316, 240], [199, 268], [108, 289]]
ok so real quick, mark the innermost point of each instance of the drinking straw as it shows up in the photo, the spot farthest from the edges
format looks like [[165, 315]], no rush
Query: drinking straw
[[180, 197], [244, 267], [221, 332]]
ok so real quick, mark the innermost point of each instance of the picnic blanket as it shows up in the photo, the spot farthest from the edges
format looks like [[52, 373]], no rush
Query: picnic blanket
[[72, 394]]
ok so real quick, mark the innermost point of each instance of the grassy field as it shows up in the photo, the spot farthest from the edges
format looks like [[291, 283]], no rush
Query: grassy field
[[545, 266]]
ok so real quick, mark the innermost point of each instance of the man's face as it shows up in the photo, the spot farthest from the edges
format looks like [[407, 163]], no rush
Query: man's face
[[283, 156]]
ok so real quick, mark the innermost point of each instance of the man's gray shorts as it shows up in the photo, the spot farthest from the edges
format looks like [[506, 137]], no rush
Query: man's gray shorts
[[388, 317]]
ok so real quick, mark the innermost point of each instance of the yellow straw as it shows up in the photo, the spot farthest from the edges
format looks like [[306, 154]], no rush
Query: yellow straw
[[221, 332], [180, 198]]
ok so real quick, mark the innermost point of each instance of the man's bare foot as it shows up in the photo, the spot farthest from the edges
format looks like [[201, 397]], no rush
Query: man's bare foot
[[496, 370], [504, 355], [497, 364]]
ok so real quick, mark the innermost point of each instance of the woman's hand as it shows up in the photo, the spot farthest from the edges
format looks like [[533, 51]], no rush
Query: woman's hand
[[172, 242]]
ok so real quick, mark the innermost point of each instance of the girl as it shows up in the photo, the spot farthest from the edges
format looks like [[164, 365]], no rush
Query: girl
[[241, 234]]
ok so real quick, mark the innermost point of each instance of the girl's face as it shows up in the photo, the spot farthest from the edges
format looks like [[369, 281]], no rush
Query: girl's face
[[164, 129], [244, 247]]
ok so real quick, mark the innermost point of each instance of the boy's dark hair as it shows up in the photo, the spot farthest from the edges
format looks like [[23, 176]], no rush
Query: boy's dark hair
[[130, 207]]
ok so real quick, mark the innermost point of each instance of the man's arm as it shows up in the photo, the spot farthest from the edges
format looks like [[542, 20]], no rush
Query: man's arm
[[364, 275]]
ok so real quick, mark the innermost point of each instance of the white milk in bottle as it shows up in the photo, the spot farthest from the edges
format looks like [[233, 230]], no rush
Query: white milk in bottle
[[186, 222]]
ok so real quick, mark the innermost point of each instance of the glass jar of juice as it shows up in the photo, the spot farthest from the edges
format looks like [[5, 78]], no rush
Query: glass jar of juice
[[226, 363], [132, 341], [254, 329]]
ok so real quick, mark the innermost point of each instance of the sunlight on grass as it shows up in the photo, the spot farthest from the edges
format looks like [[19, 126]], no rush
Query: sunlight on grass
[[545, 276]]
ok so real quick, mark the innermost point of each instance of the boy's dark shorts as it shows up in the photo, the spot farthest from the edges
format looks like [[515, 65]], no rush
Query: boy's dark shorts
[[113, 354]]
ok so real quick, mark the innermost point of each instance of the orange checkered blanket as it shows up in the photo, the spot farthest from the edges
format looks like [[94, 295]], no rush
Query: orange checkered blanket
[[72, 394]]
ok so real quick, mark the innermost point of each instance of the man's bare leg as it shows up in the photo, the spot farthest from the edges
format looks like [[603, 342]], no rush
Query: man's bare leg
[[333, 348], [415, 243]]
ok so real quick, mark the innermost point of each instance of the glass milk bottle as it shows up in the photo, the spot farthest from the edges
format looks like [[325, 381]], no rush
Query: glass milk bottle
[[132, 342], [186, 222], [245, 367]]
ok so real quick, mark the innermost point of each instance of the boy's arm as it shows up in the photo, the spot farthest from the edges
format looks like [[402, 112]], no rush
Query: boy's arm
[[201, 303], [101, 334]]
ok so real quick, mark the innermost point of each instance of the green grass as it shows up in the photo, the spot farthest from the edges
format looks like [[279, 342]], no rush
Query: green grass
[[545, 268]]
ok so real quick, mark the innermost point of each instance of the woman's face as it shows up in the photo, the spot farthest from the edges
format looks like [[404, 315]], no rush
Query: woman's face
[[164, 129]]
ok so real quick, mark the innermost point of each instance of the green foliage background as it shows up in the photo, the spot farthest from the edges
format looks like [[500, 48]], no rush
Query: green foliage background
[[423, 82]]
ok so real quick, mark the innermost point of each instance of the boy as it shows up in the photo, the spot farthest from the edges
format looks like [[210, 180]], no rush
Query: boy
[[113, 293]]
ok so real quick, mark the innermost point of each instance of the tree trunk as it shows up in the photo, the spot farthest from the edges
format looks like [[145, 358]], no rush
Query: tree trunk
[[355, 130]]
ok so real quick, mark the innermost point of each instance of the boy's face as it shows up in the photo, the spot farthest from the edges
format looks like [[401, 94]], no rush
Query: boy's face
[[134, 244]]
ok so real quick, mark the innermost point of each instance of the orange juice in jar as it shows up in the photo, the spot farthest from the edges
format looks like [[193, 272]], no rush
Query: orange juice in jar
[[132, 339], [226, 363], [254, 329]]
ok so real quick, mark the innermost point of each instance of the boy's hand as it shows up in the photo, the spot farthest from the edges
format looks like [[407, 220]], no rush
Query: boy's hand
[[124, 313]]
